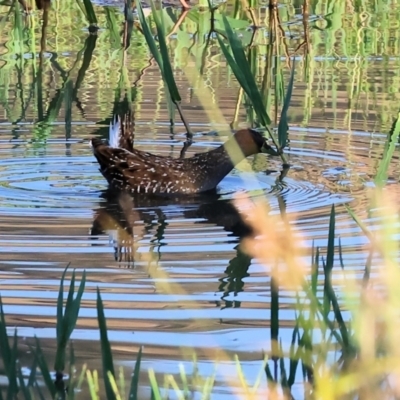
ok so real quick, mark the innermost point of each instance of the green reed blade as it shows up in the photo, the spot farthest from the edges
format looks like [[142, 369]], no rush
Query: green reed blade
[[149, 38], [133, 393], [367, 269], [39, 391], [315, 269], [184, 379], [88, 50], [293, 357], [80, 380], [171, 110], [268, 373], [68, 93], [5, 350], [74, 306], [326, 306], [283, 125], [23, 387], [32, 375], [278, 83], [328, 288], [240, 73], [1, 396], [12, 389], [331, 240], [274, 313], [67, 319], [393, 138], [72, 373], [18, 29], [82, 7], [245, 77], [128, 26], [9, 355], [207, 387], [284, 381], [162, 58], [106, 354], [167, 75], [60, 303], [341, 254], [112, 26], [44, 369], [360, 223], [90, 14], [71, 354], [234, 67], [128, 10], [155, 389]]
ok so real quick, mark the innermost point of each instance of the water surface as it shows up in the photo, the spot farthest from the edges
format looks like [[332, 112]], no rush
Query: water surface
[[171, 272]]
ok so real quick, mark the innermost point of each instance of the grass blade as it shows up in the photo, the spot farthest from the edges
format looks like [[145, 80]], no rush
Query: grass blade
[[9, 355], [393, 138], [89, 12], [242, 63], [155, 390], [107, 359], [68, 108], [328, 288], [133, 393], [128, 25], [162, 58], [44, 369], [360, 223], [112, 26], [24, 389], [315, 269], [149, 38], [12, 370], [294, 357], [167, 75], [32, 375], [274, 316], [68, 319], [268, 373], [283, 125], [60, 301], [331, 241], [5, 350]]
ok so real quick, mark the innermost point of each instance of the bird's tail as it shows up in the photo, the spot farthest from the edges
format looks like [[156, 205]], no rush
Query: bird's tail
[[121, 132], [114, 133]]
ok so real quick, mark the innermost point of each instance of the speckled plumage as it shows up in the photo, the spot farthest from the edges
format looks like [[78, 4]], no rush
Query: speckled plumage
[[136, 171]]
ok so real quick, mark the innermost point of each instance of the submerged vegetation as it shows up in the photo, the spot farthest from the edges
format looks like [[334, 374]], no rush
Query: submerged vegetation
[[343, 341]]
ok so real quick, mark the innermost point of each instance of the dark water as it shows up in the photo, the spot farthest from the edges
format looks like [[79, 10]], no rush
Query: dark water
[[171, 272]]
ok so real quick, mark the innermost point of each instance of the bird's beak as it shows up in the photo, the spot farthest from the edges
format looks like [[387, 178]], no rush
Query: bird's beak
[[267, 149]]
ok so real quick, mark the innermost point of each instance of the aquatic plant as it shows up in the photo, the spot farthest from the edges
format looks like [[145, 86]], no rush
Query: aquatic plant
[[88, 10], [162, 58]]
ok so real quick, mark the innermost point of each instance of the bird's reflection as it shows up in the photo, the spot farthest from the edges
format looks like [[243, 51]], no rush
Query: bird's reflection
[[127, 220]]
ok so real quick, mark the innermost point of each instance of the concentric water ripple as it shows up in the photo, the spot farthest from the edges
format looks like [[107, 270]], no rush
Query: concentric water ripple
[[70, 185]]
